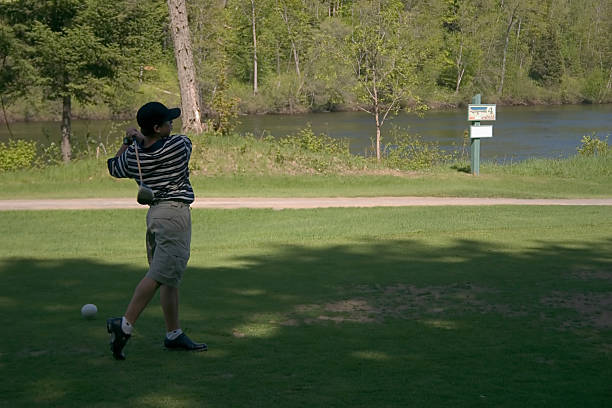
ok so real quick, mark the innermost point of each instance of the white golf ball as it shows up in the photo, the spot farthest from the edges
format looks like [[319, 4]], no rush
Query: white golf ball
[[89, 311]]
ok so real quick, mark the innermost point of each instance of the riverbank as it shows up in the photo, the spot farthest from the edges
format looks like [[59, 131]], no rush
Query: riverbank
[[52, 111], [573, 178], [519, 132]]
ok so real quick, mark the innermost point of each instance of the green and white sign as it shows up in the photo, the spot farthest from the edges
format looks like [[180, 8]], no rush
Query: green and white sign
[[477, 113]]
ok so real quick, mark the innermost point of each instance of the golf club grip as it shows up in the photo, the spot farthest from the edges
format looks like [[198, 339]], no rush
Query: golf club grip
[[138, 161]]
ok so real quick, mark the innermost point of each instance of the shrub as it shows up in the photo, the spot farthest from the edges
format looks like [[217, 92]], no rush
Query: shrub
[[411, 152], [593, 146], [49, 155], [307, 140], [595, 86], [17, 154]]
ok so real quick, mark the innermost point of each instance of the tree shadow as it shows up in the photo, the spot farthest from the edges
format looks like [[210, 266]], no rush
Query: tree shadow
[[375, 323]]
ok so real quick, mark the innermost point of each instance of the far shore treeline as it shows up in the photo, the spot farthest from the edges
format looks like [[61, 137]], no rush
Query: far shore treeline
[[288, 56]]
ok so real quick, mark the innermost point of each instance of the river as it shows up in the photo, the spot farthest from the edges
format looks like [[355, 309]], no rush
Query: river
[[518, 133]]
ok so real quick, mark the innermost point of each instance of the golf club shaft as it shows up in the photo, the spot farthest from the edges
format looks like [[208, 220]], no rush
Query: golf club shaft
[[138, 160]]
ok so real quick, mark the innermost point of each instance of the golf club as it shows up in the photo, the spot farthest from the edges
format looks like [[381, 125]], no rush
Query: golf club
[[145, 194]]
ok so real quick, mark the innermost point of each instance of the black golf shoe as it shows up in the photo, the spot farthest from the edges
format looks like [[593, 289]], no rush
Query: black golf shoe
[[118, 338], [183, 342]]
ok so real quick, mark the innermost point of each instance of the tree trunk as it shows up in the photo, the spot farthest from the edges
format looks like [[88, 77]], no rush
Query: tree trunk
[[254, 48], [459, 66], [6, 121], [376, 115], [503, 69], [190, 95], [518, 36], [66, 129], [293, 47], [297, 59]]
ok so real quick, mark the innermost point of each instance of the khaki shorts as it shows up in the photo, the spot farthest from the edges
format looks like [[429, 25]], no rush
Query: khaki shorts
[[168, 241]]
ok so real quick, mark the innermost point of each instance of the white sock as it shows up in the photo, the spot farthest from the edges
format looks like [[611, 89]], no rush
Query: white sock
[[126, 326], [171, 335]]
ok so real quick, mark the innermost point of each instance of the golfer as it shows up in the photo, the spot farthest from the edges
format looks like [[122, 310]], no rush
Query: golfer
[[164, 163]]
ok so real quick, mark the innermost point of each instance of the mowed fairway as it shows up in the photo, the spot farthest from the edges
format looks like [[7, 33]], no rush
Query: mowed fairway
[[384, 307]]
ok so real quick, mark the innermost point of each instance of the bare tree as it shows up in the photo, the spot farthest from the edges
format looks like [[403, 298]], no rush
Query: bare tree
[[511, 20], [190, 95], [254, 47]]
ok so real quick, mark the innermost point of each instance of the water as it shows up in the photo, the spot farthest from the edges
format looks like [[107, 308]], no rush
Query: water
[[518, 132]]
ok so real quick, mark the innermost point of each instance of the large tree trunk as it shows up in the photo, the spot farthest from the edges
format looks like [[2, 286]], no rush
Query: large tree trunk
[[190, 95], [66, 129], [254, 48]]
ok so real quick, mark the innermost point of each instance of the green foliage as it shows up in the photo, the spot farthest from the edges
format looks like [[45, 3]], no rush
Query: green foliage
[[73, 62], [306, 140], [224, 107], [595, 87], [312, 56], [591, 145], [17, 154], [547, 65], [282, 93], [15, 68], [329, 76], [411, 152], [49, 155]]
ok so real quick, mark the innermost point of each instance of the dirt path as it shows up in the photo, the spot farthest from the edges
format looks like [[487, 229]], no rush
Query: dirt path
[[283, 203]]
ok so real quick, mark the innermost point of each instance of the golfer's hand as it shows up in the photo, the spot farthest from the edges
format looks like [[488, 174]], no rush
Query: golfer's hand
[[134, 134]]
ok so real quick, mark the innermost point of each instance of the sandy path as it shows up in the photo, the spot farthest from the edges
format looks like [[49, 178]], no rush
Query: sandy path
[[283, 203]]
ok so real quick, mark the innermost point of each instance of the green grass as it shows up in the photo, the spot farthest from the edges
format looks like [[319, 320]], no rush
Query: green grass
[[316, 165], [570, 178], [466, 307]]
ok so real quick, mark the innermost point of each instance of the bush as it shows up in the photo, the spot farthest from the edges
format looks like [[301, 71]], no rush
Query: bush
[[593, 146], [306, 140], [17, 154], [49, 155], [411, 152]]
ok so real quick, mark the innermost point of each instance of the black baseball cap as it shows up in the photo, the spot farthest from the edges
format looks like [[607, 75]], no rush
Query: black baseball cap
[[155, 113]]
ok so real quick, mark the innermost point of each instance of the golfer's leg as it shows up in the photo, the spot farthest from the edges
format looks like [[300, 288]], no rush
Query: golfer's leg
[[169, 298], [142, 296]]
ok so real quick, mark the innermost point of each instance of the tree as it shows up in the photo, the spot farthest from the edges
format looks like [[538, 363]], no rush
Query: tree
[[190, 94], [547, 65], [462, 40], [72, 63], [69, 59], [77, 52], [15, 69], [381, 62], [512, 18]]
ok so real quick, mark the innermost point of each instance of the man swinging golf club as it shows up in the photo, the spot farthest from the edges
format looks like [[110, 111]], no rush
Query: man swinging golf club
[[159, 162]]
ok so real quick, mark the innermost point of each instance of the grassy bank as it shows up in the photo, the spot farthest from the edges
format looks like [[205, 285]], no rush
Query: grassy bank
[[315, 165], [462, 307]]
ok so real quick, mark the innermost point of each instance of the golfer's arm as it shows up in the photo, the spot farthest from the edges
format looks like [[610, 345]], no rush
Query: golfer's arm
[[122, 149]]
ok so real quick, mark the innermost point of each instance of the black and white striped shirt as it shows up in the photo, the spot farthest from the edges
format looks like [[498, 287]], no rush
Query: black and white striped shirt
[[164, 165]]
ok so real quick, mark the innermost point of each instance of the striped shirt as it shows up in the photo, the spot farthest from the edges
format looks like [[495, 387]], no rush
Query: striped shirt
[[164, 165]]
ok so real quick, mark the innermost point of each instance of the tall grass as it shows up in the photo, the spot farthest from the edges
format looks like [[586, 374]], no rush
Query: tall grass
[[306, 164], [582, 167]]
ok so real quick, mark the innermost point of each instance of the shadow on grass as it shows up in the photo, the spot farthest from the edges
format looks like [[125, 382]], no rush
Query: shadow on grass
[[391, 323], [462, 168]]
